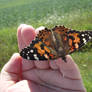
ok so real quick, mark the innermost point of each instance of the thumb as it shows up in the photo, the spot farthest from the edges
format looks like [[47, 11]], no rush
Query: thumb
[[12, 70]]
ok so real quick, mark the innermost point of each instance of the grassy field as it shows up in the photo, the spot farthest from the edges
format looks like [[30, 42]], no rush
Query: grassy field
[[75, 14]]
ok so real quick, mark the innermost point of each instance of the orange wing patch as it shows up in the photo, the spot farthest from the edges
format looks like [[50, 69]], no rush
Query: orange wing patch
[[76, 38], [46, 49], [38, 47], [60, 30], [44, 35]]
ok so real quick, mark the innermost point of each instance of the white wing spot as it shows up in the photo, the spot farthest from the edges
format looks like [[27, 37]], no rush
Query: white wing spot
[[35, 56], [31, 51], [90, 37], [84, 40], [86, 34], [28, 57], [83, 35], [28, 52], [23, 52]]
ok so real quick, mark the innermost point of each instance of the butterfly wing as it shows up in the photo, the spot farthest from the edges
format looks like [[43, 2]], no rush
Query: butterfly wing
[[60, 30], [37, 50], [78, 39], [73, 40], [44, 35]]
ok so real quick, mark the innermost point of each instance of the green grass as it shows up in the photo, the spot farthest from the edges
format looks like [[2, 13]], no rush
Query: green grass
[[8, 44], [76, 14], [84, 62], [39, 12]]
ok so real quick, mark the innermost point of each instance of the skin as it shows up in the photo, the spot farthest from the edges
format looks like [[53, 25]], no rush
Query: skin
[[20, 75]]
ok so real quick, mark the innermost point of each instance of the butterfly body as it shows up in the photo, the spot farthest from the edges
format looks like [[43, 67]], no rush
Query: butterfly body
[[59, 45], [55, 43]]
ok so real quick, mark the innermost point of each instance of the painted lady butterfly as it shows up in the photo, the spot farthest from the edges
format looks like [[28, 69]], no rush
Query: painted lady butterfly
[[55, 43]]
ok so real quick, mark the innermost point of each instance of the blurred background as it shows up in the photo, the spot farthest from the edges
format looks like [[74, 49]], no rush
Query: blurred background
[[75, 14]]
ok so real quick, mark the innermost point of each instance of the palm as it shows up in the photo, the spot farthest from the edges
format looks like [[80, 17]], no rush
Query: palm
[[52, 79]]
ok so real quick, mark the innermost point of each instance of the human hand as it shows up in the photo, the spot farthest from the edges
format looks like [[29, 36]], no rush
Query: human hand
[[20, 75]]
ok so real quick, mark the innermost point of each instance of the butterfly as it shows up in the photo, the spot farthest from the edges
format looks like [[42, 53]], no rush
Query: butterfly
[[51, 44]]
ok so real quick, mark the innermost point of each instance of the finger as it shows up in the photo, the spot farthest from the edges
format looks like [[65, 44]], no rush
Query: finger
[[22, 86], [12, 70], [53, 64], [69, 69], [28, 34], [5, 84], [21, 44], [39, 29], [41, 64], [25, 35], [25, 86], [10, 74]]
